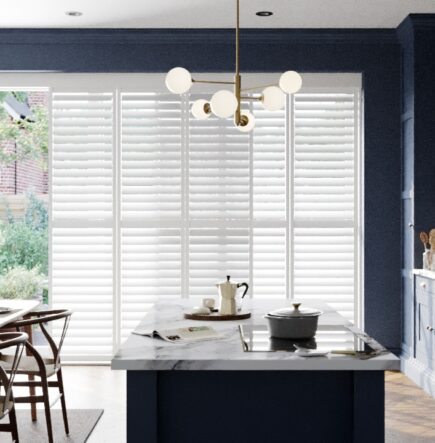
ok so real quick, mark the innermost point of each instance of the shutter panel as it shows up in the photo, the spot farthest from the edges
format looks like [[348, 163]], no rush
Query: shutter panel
[[82, 234], [269, 203], [219, 199], [150, 196], [324, 195]]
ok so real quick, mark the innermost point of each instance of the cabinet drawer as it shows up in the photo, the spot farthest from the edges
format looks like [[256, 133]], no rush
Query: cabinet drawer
[[424, 288]]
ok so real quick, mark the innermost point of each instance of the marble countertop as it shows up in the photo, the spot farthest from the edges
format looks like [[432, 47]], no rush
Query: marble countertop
[[145, 353], [424, 273]]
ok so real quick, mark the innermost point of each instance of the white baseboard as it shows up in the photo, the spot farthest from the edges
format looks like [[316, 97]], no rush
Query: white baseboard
[[418, 373]]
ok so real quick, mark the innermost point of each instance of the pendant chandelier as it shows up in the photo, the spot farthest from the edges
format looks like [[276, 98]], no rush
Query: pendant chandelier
[[225, 103]]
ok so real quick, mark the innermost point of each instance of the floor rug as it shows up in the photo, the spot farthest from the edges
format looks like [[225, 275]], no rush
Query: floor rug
[[81, 425]]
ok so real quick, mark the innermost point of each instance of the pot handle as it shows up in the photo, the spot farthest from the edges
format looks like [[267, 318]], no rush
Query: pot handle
[[239, 285]]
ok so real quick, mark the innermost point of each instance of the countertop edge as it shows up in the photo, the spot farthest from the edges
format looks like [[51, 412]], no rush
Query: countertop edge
[[312, 364], [424, 273]]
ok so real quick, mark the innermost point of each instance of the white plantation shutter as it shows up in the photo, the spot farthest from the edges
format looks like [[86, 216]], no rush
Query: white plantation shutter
[[151, 134], [218, 203], [269, 204], [82, 219], [324, 195], [148, 202]]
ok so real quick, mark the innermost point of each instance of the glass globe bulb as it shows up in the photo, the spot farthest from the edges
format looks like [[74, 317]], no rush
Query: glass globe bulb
[[290, 82], [247, 122], [223, 103], [201, 109], [273, 98], [178, 80]]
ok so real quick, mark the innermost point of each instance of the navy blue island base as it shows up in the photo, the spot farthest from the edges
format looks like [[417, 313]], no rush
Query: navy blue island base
[[255, 406]]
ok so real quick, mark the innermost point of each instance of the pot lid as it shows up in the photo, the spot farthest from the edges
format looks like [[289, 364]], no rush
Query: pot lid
[[295, 312]]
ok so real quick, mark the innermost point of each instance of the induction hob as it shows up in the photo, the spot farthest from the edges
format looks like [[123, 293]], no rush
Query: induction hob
[[334, 339]]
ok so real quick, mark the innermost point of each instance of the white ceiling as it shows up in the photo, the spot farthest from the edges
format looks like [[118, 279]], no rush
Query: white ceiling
[[209, 13]]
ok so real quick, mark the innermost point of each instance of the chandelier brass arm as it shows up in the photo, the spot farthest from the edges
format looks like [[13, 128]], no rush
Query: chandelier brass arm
[[251, 97], [211, 82], [225, 103]]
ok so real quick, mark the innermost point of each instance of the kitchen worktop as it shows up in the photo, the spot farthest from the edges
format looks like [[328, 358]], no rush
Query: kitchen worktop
[[424, 273], [155, 354]]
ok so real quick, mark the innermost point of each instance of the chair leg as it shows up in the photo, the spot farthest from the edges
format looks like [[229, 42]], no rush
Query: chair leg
[[13, 423], [28, 330], [32, 392], [47, 409], [62, 400]]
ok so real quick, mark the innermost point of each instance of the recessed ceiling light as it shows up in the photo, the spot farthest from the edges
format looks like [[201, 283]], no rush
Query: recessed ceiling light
[[74, 13], [264, 13]]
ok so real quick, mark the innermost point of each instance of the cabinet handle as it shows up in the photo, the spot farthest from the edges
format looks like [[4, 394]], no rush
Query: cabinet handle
[[422, 285], [429, 328]]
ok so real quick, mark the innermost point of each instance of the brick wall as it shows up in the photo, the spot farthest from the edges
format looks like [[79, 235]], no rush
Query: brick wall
[[37, 98], [7, 173], [27, 175]]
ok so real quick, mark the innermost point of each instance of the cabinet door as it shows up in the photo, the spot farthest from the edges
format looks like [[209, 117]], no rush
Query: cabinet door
[[425, 322], [424, 334]]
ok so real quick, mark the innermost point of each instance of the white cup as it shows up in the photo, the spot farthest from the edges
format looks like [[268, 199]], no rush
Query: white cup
[[208, 303]]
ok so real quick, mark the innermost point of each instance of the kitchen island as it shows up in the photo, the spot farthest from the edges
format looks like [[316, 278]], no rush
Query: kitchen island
[[214, 391]]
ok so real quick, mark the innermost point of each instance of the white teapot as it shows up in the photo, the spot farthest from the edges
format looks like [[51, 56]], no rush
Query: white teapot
[[227, 292]]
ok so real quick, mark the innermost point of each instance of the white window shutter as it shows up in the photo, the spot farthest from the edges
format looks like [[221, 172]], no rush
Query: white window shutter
[[82, 220], [269, 203], [189, 202], [151, 203], [324, 218]]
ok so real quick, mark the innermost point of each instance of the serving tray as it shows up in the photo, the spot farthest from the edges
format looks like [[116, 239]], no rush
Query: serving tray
[[215, 316]]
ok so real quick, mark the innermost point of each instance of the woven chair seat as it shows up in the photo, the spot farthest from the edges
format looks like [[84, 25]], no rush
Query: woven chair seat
[[27, 365]]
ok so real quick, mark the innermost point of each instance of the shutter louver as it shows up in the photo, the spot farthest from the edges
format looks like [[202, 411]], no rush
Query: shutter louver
[[324, 196], [82, 232]]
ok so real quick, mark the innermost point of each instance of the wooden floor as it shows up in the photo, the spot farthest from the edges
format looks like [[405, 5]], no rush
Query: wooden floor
[[409, 416], [409, 411]]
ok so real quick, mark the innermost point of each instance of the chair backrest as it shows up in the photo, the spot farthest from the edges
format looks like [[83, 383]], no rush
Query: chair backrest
[[42, 318], [9, 340]]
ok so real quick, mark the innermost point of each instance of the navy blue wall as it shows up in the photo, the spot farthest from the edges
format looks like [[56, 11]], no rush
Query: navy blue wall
[[374, 53], [417, 34]]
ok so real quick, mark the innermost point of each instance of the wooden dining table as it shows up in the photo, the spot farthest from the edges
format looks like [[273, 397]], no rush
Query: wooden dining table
[[19, 308]]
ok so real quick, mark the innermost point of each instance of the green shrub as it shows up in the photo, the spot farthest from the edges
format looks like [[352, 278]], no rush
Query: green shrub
[[22, 283], [24, 246]]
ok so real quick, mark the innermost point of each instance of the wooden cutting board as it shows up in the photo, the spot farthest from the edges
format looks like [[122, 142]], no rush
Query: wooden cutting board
[[215, 316]]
